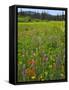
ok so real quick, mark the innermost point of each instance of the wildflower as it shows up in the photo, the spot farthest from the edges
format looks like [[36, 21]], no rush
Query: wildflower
[[33, 77], [24, 71], [41, 78], [62, 74], [31, 62], [30, 72], [46, 58], [34, 54], [23, 55]]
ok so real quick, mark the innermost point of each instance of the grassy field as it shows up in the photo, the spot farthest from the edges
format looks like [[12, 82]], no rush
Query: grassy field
[[41, 51]]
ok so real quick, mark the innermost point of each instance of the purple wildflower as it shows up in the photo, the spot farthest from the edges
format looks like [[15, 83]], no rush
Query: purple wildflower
[[24, 71]]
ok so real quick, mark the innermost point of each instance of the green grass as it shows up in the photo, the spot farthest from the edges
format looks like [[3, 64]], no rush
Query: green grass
[[41, 51]]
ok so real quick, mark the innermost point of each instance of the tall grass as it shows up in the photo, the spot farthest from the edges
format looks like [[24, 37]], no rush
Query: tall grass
[[41, 51]]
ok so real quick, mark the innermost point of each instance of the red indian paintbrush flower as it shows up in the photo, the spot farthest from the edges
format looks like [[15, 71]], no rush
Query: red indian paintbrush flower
[[32, 62]]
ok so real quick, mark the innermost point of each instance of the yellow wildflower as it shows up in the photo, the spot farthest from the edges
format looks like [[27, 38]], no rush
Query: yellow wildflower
[[42, 79], [62, 75], [33, 77]]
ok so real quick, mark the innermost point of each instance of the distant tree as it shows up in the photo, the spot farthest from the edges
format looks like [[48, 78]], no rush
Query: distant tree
[[37, 16]]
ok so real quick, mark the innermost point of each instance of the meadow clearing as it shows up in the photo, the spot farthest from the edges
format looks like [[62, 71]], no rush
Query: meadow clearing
[[41, 51]]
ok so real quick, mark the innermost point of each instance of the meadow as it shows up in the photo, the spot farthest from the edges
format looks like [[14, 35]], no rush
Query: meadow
[[41, 51]]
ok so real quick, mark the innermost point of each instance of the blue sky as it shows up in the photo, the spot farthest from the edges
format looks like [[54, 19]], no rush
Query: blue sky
[[52, 12]]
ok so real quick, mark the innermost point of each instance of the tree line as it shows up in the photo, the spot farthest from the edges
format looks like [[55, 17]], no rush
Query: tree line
[[41, 16]]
